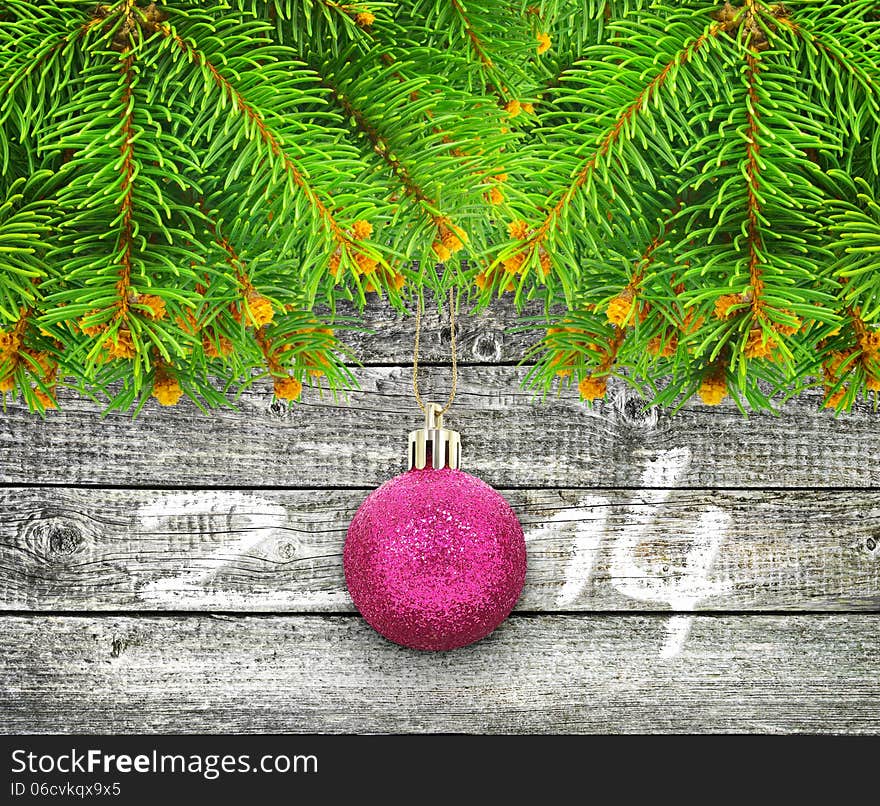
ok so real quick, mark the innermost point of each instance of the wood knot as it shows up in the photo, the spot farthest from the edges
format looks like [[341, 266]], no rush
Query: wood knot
[[55, 537], [871, 544], [117, 646], [487, 347], [64, 539], [279, 409], [630, 409]]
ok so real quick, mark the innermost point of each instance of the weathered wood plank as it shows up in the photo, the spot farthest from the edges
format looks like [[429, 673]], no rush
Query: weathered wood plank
[[613, 550], [493, 335], [510, 439], [555, 674]]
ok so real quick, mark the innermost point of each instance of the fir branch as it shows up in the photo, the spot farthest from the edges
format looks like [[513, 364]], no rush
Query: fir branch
[[692, 190], [256, 308], [126, 201], [24, 226], [752, 174], [456, 149], [477, 45], [527, 248], [625, 308], [846, 61], [269, 137], [594, 363], [302, 21], [381, 147]]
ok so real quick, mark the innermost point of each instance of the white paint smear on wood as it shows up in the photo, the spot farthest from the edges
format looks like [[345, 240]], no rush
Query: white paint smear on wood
[[241, 521], [590, 520], [682, 588], [712, 529]]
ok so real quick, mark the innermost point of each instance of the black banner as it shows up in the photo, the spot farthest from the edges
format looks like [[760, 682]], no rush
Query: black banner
[[138, 769]]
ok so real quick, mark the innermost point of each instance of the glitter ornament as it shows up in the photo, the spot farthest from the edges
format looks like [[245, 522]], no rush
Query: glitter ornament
[[435, 558]]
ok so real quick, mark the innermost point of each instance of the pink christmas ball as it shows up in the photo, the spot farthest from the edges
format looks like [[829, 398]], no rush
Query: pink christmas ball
[[435, 559]]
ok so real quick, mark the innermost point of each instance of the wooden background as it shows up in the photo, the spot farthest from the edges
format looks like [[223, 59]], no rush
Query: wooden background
[[692, 573]]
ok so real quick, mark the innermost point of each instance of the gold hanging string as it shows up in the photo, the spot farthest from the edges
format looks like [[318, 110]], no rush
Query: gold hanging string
[[452, 347]]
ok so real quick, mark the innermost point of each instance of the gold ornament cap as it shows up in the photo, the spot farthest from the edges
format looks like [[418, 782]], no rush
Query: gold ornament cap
[[434, 444]]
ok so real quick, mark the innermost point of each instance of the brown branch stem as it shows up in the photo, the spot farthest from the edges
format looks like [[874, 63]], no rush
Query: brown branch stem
[[613, 134], [477, 45], [124, 244], [269, 138], [755, 241]]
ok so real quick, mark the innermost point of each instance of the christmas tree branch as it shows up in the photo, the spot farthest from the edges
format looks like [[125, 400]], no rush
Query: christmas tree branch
[[752, 175], [24, 226], [564, 350], [126, 203], [340, 238], [621, 128], [254, 307], [495, 195], [386, 152], [696, 184], [477, 45], [626, 307], [845, 60]]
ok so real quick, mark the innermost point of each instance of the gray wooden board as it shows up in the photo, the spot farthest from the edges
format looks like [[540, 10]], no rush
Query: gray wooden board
[[633, 520], [614, 550], [495, 334], [732, 673], [510, 439]]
